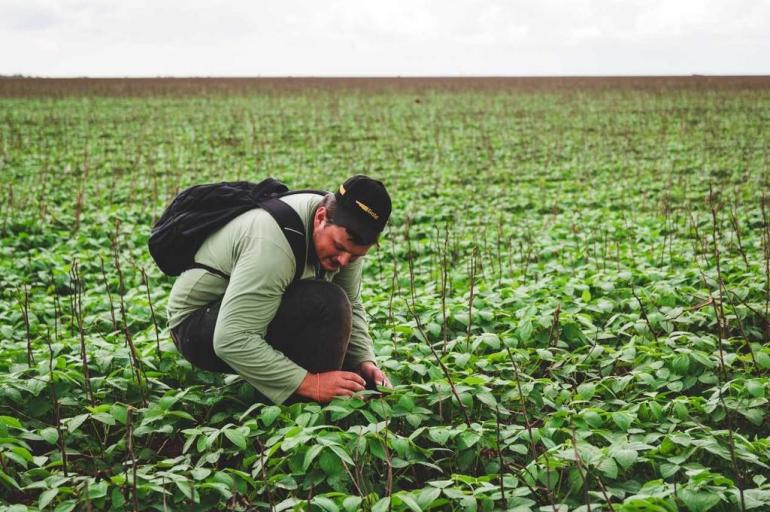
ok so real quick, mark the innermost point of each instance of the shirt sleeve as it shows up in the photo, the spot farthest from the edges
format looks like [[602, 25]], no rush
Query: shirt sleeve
[[262, 272], [360, 348]]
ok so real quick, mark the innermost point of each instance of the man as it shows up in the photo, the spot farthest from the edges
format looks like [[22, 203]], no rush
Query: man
[[245, 314]]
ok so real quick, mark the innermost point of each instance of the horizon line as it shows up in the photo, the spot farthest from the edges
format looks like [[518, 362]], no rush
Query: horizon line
[[370, 77]]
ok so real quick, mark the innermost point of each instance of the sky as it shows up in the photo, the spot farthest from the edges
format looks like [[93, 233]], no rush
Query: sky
[[106, 38]]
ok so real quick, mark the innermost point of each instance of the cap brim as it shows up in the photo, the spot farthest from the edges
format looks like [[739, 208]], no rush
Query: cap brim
[[360, 226]]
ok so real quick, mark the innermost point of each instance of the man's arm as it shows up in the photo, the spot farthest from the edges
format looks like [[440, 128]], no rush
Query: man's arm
[[262, 271], [360, 354], [360, 348]]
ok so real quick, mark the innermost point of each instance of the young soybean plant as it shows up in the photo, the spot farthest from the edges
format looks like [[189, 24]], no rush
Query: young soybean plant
[[573, 306]]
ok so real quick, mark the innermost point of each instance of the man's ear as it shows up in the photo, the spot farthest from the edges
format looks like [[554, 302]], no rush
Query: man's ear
[[320, 217]]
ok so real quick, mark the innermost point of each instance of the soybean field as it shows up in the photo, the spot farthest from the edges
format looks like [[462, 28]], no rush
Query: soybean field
[[572, 298]]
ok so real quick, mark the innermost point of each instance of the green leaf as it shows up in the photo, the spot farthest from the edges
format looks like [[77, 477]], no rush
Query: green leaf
[[325, 503], [667, 469], [755, 416], [6, 478], [586, 391], [104, 417], [342, 454], [50, 435], [224, 478], [414, 420], [200, 473], [10, 421], [646, 504], [74, 423], [46, 497], [376, 448], [699, 501], [186, 488], [427, 496], [311, 454], [755, 388], [330, 463], [66, 506], [409, 501], [468, 439], [763, 360], [235, 437], [181, 414], [622, 419], [221, 488], [406, 403], [269, 414], [439, 435], [524, 331], [382, 505], [97, 490], [608, 467], [593, 418], [486, 398], [19, 459], [756, 498], [119, 412], [681, 364], [351, 503], [625, 457]]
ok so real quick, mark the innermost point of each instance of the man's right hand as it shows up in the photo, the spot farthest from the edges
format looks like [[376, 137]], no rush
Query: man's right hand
[[322, 387]]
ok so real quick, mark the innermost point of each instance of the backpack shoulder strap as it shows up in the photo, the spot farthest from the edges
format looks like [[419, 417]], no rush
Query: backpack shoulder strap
[[304, 191], [293, 229], [221, 274]]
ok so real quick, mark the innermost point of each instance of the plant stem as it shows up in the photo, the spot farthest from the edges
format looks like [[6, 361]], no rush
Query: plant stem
[[77, 285], [136, 362], [24, 304], [440, 363], [109, 296], [527, 424], [152, 311], [472, 280], [132, 457], [500, 457], [643, 312], [56, 407], [553, 332]]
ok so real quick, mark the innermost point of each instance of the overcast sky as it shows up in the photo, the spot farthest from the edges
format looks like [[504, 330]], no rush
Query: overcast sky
[[383, 37]]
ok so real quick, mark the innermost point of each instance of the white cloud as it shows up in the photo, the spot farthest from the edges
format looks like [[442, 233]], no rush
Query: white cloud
[[380, 37]]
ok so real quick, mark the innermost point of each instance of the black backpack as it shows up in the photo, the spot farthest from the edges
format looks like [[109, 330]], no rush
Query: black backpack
[[199, 211]]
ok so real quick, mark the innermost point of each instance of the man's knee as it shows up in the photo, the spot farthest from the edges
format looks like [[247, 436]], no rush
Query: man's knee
[[313, 324], [320, 299]]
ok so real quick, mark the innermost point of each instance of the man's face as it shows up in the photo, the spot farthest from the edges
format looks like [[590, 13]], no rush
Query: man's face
[[333, 245]]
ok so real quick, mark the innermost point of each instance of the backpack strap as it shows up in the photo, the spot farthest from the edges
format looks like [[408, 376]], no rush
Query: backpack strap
[[221, 274], [291, 226], [293, 229], [304, 191]]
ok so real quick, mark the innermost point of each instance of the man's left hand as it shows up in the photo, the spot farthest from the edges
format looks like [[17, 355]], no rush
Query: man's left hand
[[369, 371]]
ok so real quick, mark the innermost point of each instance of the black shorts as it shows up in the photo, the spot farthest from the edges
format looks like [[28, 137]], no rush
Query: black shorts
[[311, 327]]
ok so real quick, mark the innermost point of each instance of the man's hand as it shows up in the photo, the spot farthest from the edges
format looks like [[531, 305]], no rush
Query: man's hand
[[373, 375], [322, 387]]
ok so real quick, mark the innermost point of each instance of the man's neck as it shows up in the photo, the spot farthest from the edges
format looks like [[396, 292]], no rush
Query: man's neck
[[312, 257]]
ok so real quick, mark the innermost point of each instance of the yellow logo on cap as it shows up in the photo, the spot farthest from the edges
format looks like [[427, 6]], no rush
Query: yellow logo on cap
[[367, 210], [342, 190]]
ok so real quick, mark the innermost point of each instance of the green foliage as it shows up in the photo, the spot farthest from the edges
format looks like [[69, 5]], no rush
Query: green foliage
[[564, 258]]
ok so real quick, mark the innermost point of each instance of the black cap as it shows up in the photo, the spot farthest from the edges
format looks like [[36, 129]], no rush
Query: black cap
[[363, 206]]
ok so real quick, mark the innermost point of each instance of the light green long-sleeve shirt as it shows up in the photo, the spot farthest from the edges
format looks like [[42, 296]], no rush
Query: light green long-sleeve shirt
[[253, 251]]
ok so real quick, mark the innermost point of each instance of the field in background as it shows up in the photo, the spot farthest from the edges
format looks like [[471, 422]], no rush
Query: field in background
[[572, 298]]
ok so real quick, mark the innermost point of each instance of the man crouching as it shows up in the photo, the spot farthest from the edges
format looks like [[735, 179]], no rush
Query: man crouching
[[241, 310]]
